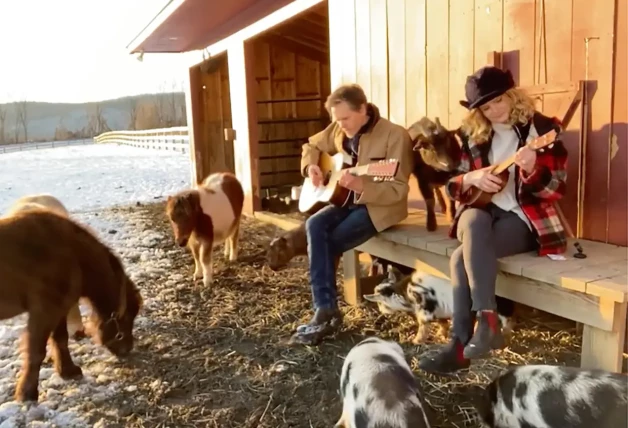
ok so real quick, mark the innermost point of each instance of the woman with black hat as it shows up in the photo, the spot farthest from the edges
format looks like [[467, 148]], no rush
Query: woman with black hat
[[520, 218]]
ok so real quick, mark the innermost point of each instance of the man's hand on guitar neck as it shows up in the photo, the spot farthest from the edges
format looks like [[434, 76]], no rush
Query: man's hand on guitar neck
[[315, 174], [351, 182]]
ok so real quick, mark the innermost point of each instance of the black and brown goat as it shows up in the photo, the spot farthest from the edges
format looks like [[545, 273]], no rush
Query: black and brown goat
[[437, 158]]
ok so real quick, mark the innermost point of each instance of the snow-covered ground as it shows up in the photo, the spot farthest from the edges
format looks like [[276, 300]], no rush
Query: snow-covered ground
[[86, 179], [93, 176]]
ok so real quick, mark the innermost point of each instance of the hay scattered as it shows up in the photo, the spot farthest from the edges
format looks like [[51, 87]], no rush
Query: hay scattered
[[220, 358]]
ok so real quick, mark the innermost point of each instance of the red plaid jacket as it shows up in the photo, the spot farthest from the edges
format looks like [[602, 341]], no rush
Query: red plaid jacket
[[536, 193]]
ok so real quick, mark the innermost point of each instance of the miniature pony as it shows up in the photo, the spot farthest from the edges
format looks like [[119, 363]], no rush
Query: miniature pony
[[45, 201], [47, 262], [206, 216]]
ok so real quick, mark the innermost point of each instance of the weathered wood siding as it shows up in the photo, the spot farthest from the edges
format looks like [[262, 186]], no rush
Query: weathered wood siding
[[412, 58], [291, 90]]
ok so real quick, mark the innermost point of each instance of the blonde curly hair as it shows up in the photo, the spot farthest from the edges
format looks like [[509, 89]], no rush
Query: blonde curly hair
[[478, 127]]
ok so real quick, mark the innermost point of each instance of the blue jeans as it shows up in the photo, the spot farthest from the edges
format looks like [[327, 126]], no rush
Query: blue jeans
[[331, 232]]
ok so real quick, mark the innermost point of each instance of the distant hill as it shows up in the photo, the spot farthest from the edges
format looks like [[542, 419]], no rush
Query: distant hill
[[49, 121]]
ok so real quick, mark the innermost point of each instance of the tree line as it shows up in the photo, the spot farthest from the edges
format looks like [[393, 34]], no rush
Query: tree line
[[160, 110]]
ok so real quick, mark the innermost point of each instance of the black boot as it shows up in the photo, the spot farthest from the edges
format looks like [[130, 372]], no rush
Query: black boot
[[487, 336], [324, 323], [449, 359]]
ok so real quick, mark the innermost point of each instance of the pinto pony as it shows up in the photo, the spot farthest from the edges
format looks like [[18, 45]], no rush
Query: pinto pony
[[45, 201], [47, 262], [205, 217]]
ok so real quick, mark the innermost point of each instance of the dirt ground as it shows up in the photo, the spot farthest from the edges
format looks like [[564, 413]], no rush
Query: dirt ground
[[220, 359]]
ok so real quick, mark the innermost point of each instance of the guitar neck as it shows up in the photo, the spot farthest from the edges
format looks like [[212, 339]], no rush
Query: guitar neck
[[359, 170], [376, 169], [504, 165], [536, 144]]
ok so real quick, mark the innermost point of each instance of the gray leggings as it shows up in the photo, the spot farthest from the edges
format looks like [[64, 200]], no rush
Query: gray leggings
[[486, 235]]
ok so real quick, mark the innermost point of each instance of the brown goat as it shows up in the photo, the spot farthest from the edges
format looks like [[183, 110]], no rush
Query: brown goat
[[293, 243], [45, 201], [47, 262], [285, 247], [437, 157]]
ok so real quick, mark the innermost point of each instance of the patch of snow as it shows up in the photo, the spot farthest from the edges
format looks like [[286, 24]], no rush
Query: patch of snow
[[106, 175], [93, 176]]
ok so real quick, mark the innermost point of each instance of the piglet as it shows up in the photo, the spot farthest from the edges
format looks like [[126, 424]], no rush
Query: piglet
[[554, 397], [378, 389]]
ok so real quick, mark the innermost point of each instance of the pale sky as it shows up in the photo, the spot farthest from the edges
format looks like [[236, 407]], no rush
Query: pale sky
[[75, 50]]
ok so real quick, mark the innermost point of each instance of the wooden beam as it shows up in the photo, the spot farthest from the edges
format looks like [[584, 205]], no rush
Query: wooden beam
[[322, 48], [194, 112], [296, 47], [315, 22], [299, 27], [317, 43], [242, 84]]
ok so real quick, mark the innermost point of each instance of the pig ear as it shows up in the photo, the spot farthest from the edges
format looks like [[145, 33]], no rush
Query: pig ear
[[374, 297]]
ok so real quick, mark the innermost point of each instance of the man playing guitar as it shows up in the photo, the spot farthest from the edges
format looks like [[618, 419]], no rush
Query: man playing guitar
[[363, 137]]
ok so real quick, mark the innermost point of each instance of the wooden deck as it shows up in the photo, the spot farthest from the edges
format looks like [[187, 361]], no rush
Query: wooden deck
[[602, 273], [592, 291]]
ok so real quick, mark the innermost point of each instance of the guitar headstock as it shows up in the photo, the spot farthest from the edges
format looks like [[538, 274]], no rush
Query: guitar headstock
[[383, 169], [543, 140]]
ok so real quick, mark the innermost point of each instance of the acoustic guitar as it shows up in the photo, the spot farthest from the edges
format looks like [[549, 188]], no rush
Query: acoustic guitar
[[479, 198], [330, 192]]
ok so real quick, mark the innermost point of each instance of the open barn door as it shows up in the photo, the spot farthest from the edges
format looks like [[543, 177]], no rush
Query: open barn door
[[209, 113]]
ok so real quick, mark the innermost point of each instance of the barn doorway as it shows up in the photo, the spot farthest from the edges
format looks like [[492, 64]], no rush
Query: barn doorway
[[293, 82]]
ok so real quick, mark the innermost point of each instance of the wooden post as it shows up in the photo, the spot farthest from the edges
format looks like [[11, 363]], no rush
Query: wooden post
[[352, 276], [355, 285], [603, 349], [194, 106], [241, 59]]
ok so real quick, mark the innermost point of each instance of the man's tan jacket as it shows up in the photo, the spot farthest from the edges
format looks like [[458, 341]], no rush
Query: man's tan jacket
[[386, 201]]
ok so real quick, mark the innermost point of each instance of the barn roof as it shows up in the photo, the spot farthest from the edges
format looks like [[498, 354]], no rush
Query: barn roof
[[188, 25]]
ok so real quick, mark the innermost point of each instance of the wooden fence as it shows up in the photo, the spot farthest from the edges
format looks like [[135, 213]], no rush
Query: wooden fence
[[175, 138], [11, 148]]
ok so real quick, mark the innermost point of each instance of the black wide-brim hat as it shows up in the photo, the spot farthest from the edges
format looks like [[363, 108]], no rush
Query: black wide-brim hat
[[485, 84]]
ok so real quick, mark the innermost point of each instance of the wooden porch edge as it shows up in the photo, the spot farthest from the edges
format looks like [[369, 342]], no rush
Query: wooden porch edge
[[279, 220]]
